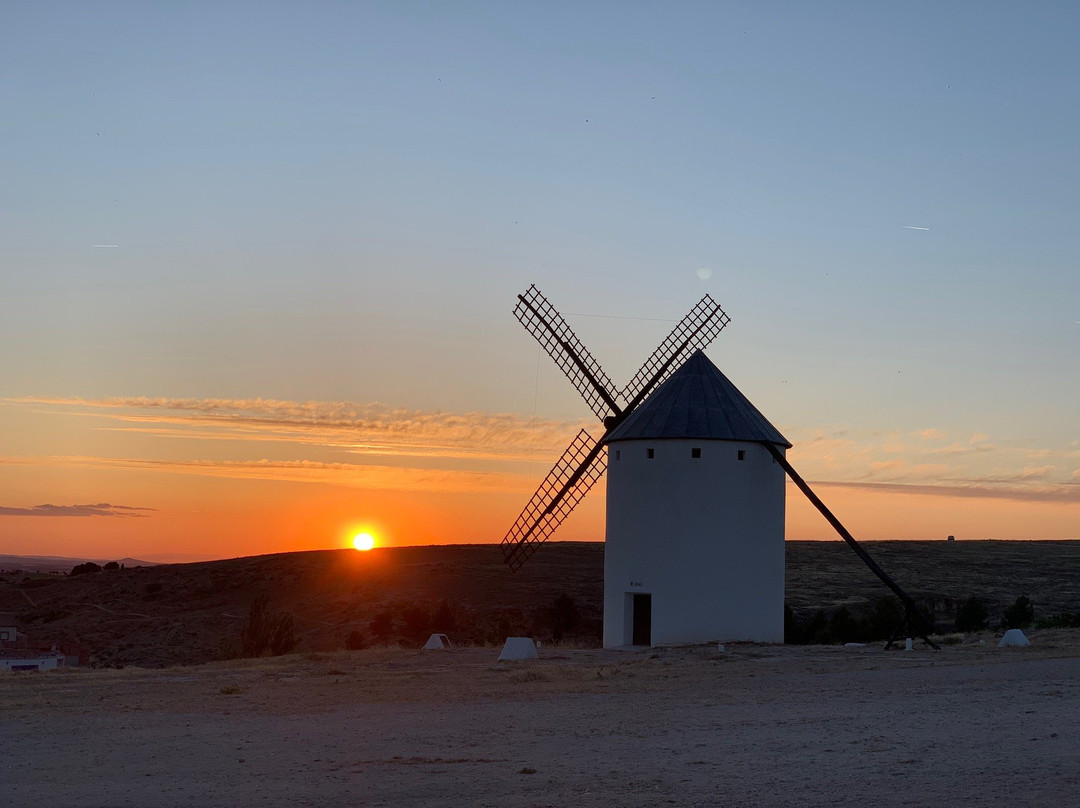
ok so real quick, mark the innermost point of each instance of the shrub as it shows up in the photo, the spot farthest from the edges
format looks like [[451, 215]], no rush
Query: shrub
[[417, 622], [793, 629], [1063, 620], [972, 615], [444, 619], [842, 627], [283, 634], [382, 625], [564, 617], [266, 630], [1020, 614], [112, 565], [886, 617], [803, 632], [85, 569], [356, 640], [878, 622], [44, 616]]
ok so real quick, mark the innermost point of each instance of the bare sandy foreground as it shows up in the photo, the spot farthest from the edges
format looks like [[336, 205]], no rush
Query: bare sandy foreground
[[971, 725]]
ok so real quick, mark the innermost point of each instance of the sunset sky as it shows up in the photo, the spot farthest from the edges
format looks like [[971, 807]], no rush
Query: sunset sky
[[259, 259]]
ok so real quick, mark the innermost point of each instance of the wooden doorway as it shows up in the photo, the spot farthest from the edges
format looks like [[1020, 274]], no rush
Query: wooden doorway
[[642, 620]]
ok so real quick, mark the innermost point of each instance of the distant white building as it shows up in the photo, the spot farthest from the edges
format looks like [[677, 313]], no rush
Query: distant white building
[[695, 517], [8, 631], [12, 659]]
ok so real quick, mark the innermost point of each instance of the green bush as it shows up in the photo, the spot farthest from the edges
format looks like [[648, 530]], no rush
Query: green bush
[[1063, 620], [564, 617], [1021, 614], [266, 630], [444, 619], [972, 615], [876, 622], [417, 622], [383, 625], [886, 617], [842, 627], [283, 634]]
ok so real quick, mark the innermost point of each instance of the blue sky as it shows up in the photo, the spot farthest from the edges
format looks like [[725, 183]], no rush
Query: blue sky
[[338, 202]]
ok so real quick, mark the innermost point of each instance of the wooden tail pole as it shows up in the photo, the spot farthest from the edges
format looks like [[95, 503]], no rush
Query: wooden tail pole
[[913, 616]]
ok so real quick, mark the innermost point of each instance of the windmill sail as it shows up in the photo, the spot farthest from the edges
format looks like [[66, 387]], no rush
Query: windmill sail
[[557, 338], [581, 465], [695, 331]]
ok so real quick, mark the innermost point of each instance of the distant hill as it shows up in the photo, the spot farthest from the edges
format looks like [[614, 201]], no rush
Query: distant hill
[[189, 613], [60, 563]]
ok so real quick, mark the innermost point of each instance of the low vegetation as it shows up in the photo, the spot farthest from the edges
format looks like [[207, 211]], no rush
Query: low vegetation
[[878, 623], [267, 631], [842, 625], [1021, 614], [972, 615], [173, 614], [1063, 620]]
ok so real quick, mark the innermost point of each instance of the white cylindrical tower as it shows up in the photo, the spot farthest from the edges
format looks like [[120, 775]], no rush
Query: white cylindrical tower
[[695, 517]]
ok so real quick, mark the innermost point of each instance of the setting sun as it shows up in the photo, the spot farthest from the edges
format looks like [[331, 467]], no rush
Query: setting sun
[[363, 541]]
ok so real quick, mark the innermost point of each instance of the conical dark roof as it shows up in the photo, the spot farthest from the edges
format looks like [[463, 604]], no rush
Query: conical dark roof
[[697, 401]]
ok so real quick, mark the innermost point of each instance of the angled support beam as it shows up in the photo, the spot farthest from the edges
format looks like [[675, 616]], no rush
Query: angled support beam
[[914, 616]]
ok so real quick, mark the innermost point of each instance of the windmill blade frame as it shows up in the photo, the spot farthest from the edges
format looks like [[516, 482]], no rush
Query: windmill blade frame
[[556, 337], [694, 332], [581, 465]]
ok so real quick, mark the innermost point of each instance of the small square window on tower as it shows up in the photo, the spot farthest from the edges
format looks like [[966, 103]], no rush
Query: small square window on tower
[[742, 454], [650, 453], [695, 452]]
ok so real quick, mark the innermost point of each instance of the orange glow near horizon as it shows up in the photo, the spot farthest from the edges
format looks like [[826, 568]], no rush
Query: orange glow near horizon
[[229, 518], [279, 480]]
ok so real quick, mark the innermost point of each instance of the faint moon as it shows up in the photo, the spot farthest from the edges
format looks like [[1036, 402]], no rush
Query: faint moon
[[704, 274]]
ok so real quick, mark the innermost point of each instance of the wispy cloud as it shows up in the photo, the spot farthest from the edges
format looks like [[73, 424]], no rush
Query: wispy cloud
[[371, 428], [371, 446], [376, 446], [932, 461], [1062, 492], [300, 471], [100, 509]]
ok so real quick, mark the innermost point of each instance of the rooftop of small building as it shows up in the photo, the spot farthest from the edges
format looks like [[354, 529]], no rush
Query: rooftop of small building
[[698, 401]]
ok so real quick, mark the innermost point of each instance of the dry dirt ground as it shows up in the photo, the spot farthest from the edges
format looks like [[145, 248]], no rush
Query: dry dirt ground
[[970, 725]]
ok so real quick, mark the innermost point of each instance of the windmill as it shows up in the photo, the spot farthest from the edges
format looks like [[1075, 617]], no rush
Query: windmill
[[694, 539], [583, 463]]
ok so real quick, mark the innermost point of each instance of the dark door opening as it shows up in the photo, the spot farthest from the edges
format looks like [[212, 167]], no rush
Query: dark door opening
[[642, 620]]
